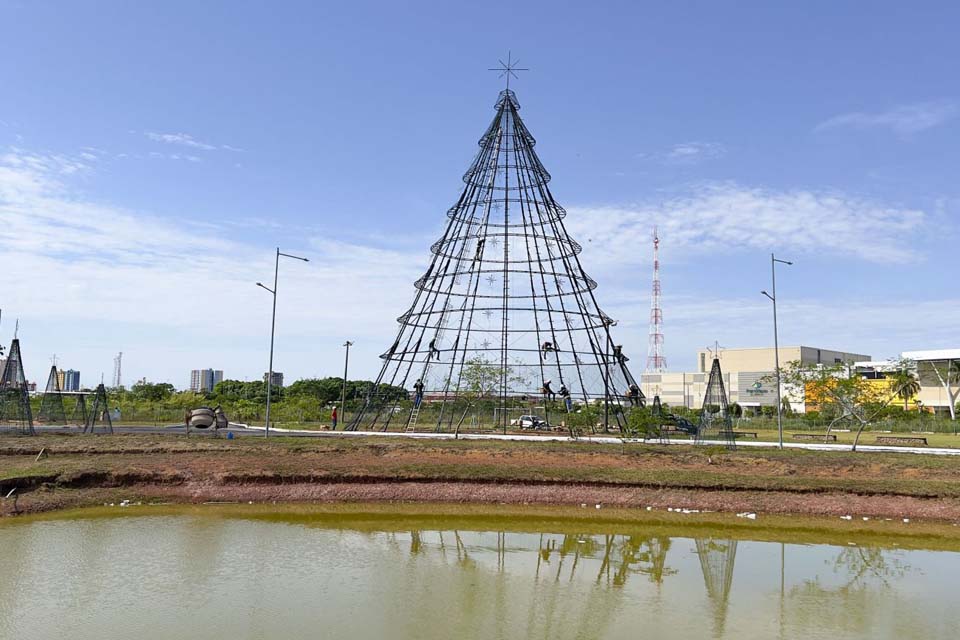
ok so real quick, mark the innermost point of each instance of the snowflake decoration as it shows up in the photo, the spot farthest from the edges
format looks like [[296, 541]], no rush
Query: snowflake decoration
[[485, 344], [488, 313], [491, 279], [494, 242]]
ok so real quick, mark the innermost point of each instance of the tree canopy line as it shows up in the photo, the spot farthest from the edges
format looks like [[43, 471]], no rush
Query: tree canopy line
[[835, 396], [323, 390], [308, 400]]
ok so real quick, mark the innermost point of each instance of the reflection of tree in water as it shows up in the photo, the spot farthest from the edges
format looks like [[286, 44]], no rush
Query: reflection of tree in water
[[863, 564], [864, 598], [717, 558]]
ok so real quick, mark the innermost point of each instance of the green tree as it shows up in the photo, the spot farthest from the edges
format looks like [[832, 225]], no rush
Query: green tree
[[256, 390], [841, 394], [324, 390], [481, 377], [152, 392]]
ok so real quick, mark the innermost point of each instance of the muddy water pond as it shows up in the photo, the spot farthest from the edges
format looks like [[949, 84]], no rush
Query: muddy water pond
[[233, 573]]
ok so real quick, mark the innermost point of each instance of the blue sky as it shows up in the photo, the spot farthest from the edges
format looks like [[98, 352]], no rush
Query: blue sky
[[152, 155]]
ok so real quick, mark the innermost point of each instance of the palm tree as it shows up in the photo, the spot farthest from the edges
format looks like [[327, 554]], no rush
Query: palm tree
[[906, 386]]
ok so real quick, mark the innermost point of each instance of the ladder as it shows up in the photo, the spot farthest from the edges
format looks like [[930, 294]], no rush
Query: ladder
[[412, 422]]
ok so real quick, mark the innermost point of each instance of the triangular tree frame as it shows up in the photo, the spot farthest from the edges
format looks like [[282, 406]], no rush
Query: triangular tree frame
[[51, 405], [14, 396], [715, 420], [657, 411], [505, 311], [78, 416], [99, 415]]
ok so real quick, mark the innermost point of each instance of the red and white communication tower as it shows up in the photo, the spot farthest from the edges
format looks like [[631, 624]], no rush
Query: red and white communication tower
[[656, 362]]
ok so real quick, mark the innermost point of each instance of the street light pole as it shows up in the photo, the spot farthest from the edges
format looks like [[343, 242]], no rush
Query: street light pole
[[273, 326], [776, 343], [343, 393]]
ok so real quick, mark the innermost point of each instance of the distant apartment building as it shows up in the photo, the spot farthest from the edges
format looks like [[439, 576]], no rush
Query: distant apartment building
[[277, 380], [60, 379], [204, 380], [71, 380]]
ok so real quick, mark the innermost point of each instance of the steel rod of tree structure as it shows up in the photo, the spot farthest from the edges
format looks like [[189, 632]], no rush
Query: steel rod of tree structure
[[273, 326], [505, 313], [776, 342], [343, 393]]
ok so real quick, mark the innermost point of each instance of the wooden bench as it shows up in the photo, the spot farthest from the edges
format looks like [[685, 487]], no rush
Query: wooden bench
[[914, 440], [739, 434], [814, 436], [673, 431]]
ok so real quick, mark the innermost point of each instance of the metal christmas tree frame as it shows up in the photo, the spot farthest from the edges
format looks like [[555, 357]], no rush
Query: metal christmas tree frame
[[715, 420], [51, 405], [99, 416], [505, 315], [14, 395]]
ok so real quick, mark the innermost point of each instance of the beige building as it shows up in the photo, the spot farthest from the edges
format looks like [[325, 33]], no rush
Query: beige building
[[762, 358], [747, 376]]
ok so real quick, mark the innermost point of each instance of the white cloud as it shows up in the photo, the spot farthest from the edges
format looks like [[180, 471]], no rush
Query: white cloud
[[726, 217], [903, 120], [184, 139], [139, 280], [44, 163], [694, 152], [170, 156], [175, 295]]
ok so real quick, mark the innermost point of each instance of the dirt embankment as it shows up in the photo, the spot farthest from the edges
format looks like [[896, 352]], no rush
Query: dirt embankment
[[82, 471]]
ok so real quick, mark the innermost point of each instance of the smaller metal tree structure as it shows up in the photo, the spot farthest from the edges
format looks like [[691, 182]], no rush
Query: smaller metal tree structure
[[661, 416], [14, 396], [78, 416], [715, 421], [51, 406], [99, 415]]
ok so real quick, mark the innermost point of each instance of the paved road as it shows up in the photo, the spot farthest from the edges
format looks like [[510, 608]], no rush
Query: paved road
[[246, 431]]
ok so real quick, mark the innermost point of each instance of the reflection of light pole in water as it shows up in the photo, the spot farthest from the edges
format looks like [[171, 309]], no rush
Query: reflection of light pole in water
[[781, 587]]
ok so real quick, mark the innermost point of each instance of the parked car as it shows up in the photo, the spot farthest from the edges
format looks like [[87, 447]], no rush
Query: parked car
[[529, 422]]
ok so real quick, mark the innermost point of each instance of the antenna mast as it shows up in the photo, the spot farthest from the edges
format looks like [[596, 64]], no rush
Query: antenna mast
[[656, 362], [116, 370]]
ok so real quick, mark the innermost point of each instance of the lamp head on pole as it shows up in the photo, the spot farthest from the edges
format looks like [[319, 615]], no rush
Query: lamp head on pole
[[288, 255], [772, 299]]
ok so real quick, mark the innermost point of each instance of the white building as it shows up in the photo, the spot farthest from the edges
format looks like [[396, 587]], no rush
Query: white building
[[938, 372], [202, 380]]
